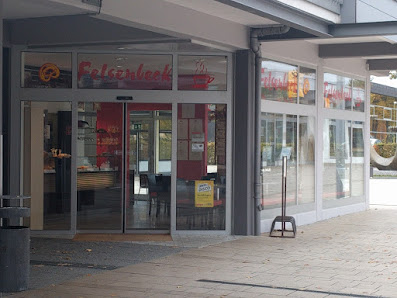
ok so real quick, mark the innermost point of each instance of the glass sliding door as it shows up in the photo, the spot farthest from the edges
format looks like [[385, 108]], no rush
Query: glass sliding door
[[148, 177], [124, 166], [99, 166]]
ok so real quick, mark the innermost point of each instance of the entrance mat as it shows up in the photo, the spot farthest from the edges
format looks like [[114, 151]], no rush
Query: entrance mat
[[122, 237]]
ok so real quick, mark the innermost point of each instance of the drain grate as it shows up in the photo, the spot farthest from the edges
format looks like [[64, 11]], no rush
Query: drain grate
[[71, 264]]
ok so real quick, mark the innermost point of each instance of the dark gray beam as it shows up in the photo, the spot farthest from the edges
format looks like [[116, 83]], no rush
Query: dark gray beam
[[383, 90], [363, 29], [283, 14], [357, 50], [382, 64]]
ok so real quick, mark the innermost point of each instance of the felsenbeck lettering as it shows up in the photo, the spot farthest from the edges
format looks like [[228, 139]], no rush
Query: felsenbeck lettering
[[140, 74]]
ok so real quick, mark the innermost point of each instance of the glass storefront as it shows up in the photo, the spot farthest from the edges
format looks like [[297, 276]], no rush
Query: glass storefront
[[289, 130], [125, 152]]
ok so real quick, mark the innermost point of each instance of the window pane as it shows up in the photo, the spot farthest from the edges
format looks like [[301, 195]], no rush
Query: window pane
[[201, 169], [46, 70], [358, 95], [165, 146], [279, 81], [202, 73], [307, 86], [122, 71], [336, 158], [337, 92]]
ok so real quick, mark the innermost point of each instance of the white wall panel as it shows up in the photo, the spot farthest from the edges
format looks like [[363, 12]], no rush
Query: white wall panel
[[168, 18]]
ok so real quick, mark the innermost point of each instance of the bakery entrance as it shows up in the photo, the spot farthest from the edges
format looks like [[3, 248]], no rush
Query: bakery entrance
[[123, 166]]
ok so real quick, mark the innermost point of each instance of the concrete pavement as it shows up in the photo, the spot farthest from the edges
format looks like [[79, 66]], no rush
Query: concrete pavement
[[350, 256]]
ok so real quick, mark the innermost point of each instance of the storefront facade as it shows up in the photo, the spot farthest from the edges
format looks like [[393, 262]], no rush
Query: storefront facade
[[125, 142], [130, 123]]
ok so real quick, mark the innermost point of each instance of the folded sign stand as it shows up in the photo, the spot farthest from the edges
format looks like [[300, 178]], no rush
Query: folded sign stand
[[283, 218]]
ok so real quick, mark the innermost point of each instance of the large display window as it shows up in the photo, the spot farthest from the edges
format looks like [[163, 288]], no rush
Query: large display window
[[291, 136], [343, 161]]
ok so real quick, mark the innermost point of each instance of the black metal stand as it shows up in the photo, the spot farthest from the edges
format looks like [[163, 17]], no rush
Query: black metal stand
[[283, 218]]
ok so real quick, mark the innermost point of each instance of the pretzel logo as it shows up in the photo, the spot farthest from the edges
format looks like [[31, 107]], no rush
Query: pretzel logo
[[48, 71]]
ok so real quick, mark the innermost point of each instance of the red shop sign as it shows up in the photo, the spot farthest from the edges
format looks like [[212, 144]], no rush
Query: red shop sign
[[137, 75]]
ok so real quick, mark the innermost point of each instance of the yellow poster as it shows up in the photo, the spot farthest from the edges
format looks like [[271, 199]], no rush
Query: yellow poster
[[204, 193]]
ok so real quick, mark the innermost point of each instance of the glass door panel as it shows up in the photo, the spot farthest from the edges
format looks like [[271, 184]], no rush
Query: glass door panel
[[99, 166], [148, 176], [47, 139]]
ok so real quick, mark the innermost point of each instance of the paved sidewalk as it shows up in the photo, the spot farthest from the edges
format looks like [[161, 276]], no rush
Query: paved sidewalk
[[354, 255]]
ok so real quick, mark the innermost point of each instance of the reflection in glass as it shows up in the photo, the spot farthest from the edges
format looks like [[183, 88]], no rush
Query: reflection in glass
[[201, 169], [307, 86], [306, 169], [99, 166], [358, 159], [46, 162], [337, 92], [279, 81], [359, 95], [278, 139]]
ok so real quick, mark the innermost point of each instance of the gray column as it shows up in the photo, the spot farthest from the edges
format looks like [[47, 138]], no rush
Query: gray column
[[243, 151]]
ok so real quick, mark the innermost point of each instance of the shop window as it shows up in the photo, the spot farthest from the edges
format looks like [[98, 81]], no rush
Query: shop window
[[122, 71], [343, 158], [343, 93], [201, 167], [202, 73], [46, 70], [288, 83]]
